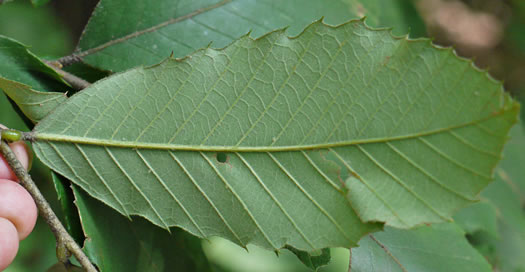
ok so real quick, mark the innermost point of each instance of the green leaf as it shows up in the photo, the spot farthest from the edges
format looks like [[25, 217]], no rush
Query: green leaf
[[150, 33], [18, 64], [8, 116], [512, 171], [507, 193], [313, 260], [34, 104], [521, 99], [515, 36], [267, 140], [25, 78], [227, 256], [86, 71], [506, 253], [481, 216], [117, 244], [506, 250], [39, 28], [66, 198], [440, 247]]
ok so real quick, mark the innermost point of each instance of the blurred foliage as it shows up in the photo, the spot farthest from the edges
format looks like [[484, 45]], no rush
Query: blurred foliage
[[9, 116], [37, 252], [231, 257], [38, 3], [36, 27], [505, 59], [516, 33]]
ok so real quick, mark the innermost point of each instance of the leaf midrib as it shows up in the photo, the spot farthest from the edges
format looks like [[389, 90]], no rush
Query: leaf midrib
[[42, 136], [150, 29], [387, 251]]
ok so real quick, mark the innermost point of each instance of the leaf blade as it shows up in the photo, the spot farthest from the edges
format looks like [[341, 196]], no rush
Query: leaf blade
[[190, 25], [505, 248], [142, 246], [18, 64], [179, 111], [422, 248], [34, 104]]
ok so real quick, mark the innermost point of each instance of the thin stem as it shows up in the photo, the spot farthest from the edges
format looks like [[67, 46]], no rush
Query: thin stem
[[65, 243], [74, 81], [68, 60], [350, 261]]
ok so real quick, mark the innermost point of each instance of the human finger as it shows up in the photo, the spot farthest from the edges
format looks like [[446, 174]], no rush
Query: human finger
[[8, 243], [22, 154], [17, 206]]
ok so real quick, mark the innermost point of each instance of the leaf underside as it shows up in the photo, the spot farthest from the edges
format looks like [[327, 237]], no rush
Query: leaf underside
[[34, 104], [284, 140]]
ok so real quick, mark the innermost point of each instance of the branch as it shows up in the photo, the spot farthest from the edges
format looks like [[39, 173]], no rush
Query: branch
[[65, 242], [68, 60], [76, 82]]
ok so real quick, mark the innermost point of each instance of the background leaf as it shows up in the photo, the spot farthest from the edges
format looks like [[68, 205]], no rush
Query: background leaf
[[39, 28], [18, 64], [150, 33], [66, 198], [506, 253], [313, 260], [440, 247], [230, 257], [38, 3], [34, 104], [481, 216], [114, 243]]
